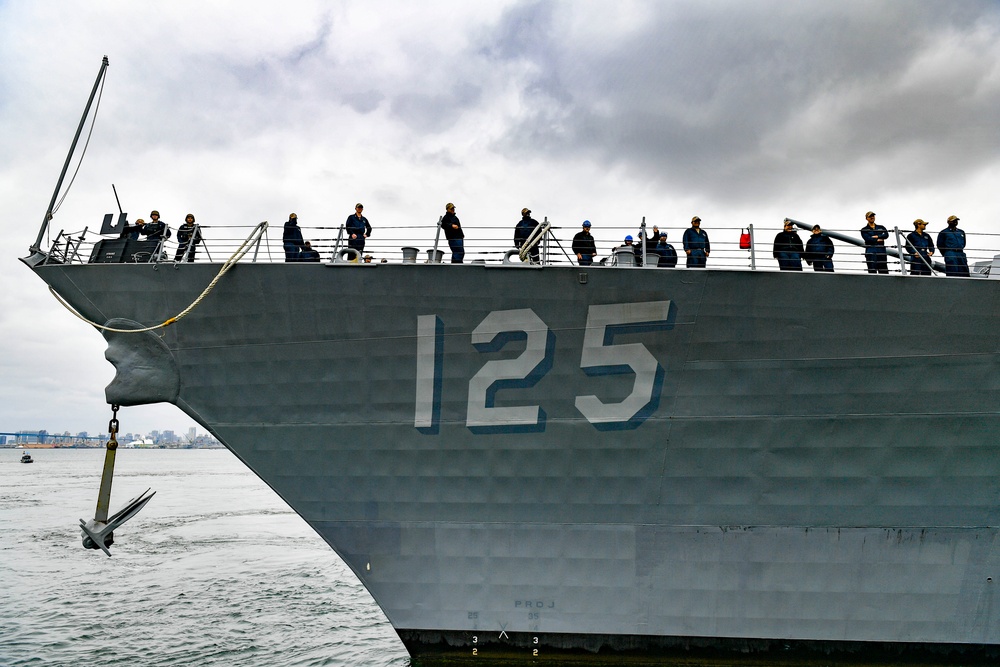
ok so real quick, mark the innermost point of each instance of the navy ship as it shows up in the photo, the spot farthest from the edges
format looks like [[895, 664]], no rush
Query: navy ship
[[533, 461]]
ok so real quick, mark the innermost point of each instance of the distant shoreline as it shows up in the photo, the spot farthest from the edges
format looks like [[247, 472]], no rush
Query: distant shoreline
[[101, 446]]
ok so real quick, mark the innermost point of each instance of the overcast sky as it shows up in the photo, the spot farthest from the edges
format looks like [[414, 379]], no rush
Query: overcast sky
[[741, 112]]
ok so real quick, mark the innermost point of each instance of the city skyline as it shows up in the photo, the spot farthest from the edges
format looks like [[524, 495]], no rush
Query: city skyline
[[165, 437]]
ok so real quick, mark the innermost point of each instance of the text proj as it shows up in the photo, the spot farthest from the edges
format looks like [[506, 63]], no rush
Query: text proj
[[599, 356]]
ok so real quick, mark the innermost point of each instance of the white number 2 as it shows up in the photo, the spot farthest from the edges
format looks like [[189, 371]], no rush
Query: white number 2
[[600, 356], [492, 334]]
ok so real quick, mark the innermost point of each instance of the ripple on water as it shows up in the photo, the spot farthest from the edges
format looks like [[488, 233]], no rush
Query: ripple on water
[[215, 571]]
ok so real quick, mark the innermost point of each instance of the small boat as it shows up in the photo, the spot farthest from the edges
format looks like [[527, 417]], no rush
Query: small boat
[[26, 458]]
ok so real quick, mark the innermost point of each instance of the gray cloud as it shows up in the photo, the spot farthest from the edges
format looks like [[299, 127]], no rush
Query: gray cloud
[[433, 112], [735, 98], [363, 102]]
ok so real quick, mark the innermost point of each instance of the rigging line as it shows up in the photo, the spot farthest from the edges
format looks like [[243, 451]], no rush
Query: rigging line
[[93, 122], [244, 248]]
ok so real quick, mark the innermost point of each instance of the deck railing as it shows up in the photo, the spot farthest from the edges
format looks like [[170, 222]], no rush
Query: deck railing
[[493, 245]]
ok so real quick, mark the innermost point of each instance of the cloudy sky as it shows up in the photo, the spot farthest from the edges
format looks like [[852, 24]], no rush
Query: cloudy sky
[[742, 112]]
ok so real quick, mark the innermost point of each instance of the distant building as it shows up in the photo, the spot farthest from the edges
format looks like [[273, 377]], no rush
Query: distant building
[[162, 439]]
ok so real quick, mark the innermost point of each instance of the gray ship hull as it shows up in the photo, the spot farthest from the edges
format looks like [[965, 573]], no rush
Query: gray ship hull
[[532, 460]]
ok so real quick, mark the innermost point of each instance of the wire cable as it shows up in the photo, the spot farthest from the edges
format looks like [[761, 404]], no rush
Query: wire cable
[[244, 248]]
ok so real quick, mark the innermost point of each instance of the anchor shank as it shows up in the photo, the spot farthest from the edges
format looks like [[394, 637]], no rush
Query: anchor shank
[[104, 495]]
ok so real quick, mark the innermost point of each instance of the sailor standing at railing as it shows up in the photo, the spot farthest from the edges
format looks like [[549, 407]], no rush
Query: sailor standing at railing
[[819, 251], [453, 232], [188, 234], [919, 242], [358, 229], [696, 245], [291, 239], [584, 246], [522, 231], [155, 229], [667, 253], [951, 243], [875, 236], [788, 248]]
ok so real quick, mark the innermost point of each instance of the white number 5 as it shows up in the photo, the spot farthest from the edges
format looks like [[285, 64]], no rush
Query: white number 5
[[602, 357]]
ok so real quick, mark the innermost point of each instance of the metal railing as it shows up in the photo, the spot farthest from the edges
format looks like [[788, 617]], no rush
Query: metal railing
[[422, 243]]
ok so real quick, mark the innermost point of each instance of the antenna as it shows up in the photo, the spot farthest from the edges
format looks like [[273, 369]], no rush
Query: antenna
[[48, 212]]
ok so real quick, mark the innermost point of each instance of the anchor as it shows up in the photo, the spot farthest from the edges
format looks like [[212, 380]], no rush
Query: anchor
[[99, 532]]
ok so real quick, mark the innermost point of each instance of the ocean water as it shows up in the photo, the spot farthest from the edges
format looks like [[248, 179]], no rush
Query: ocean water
[[215, 570]]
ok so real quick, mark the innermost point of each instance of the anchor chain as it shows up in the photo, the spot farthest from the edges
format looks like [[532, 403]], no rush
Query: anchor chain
[[113, 428]]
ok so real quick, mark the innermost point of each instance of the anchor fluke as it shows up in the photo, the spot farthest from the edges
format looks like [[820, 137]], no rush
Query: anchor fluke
[[100, 535], [95, 538], [98, 532]]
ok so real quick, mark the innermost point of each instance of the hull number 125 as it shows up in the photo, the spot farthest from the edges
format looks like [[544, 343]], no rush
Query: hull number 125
[[599, 356]]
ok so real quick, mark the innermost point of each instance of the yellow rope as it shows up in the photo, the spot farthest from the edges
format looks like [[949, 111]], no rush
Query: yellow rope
[[233, 259]]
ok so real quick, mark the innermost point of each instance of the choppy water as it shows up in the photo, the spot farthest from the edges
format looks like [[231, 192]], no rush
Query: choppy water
[[216, 570]]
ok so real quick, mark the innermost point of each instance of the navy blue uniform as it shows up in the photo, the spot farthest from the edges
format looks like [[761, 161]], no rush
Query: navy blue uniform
[[585, 247], [668, 256], [291, 240], [697, 247], [921, 243], [788, 251], [951, 243], [819, 252], [456, 237], [188, 233], [155, 231], [357, 225], [875, 255], [522, 230]]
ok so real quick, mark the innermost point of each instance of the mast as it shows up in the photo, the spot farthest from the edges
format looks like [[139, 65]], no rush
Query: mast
[[36, 247]]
